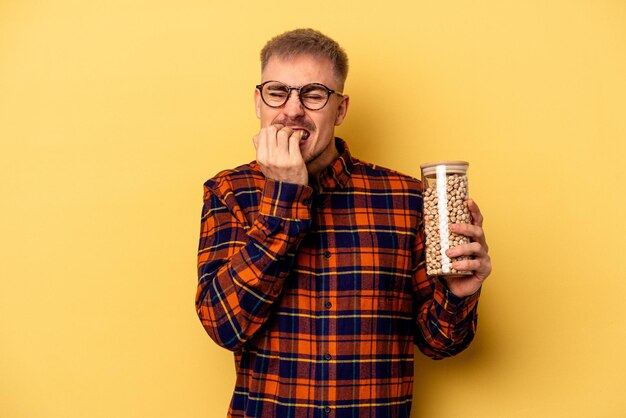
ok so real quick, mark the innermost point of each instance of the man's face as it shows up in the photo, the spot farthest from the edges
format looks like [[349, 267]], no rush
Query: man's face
[[297, 71]]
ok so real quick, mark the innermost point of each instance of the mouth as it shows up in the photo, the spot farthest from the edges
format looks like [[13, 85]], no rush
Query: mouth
[[305, 133]]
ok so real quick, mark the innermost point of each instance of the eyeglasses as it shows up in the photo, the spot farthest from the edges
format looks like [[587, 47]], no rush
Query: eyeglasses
[[313, 96]]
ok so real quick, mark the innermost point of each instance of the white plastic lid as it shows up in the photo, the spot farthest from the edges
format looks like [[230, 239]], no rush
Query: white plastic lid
[[452, 167]]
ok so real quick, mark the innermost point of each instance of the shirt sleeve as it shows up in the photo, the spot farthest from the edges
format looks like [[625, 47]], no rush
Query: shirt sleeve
[[446, 323], [241, 268]]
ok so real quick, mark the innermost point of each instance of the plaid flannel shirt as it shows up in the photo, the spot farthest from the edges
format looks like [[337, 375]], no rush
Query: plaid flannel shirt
[[321, 292]]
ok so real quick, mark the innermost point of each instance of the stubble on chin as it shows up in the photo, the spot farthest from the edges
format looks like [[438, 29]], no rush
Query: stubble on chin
[[315, 155]]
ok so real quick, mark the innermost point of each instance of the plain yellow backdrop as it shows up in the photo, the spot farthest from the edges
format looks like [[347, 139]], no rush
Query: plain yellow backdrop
[[113, 114]]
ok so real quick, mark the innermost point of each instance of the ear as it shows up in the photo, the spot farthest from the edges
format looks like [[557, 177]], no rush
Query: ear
[[257, 103], [342, 110]]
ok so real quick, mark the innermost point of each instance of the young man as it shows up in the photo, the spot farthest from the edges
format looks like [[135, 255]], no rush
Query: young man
[[311, 262]]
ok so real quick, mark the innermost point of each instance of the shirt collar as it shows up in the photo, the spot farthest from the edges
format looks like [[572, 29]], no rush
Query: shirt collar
[[337, 174]]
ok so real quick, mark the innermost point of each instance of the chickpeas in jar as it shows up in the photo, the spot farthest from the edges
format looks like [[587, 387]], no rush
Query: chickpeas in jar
[[445, 193]]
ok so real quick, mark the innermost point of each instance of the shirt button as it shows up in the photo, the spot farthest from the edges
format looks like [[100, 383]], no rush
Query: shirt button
[[327, 357], [327, 410], [328, 305], [306, 201], [327, 254]]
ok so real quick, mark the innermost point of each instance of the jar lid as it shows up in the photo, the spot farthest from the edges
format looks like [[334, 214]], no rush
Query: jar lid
[[452, 167]]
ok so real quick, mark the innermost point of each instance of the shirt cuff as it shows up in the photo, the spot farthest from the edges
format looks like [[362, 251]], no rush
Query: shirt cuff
[[452, 303], [286, 200]]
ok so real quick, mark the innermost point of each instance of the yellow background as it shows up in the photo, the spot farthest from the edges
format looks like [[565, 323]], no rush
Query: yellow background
[[112, 115]]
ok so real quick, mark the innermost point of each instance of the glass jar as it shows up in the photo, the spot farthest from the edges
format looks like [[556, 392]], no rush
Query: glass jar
[[445, 192]]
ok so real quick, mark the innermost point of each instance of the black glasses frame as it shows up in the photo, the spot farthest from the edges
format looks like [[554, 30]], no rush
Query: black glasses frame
[[299, 90]]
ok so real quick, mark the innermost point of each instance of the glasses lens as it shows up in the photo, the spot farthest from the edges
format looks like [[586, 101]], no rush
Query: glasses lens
[[275, 94], [314, 96]]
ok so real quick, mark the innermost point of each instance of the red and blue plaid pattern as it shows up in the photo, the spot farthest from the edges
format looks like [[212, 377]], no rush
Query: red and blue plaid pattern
[[321, 291]]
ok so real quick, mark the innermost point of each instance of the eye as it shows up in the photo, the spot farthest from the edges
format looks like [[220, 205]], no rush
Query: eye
[[277, 94], [313, 96], [275, 91], [314, 92]]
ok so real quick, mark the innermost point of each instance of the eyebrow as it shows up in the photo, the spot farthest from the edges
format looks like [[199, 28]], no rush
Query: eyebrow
[[282, 86]]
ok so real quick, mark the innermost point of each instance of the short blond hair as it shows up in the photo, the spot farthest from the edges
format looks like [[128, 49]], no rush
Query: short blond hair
[[307, 42]]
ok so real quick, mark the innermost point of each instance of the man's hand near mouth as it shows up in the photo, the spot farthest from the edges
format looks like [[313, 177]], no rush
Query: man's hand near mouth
[[278, 153]]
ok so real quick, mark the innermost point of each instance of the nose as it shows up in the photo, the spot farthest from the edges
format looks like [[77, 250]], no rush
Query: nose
[[293, 107]]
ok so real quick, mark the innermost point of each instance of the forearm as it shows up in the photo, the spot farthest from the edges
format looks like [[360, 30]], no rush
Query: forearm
[[235, 293], [242, 270], [446, 323]]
